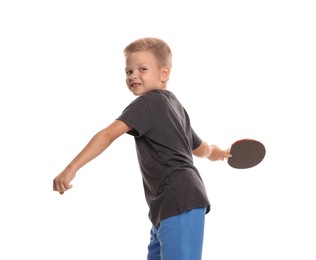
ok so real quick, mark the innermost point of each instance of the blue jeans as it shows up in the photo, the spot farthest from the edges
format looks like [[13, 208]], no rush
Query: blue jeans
[[179, 237]]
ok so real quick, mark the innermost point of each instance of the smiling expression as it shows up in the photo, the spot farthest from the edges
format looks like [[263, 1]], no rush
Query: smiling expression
[[143, 73]]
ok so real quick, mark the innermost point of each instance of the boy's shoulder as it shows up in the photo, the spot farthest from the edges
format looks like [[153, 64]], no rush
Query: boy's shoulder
[[158, 93], [155, 99]]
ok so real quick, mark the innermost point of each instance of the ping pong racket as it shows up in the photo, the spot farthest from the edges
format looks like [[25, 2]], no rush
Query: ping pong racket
[[246, 153]]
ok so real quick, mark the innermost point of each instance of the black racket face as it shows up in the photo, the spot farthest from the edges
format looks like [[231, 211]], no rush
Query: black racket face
[[246, 153]]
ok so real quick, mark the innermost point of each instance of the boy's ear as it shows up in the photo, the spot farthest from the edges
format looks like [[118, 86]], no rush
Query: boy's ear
[[165, 72]]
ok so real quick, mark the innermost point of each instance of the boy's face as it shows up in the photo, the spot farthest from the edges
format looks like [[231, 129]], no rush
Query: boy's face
[[143, 73]]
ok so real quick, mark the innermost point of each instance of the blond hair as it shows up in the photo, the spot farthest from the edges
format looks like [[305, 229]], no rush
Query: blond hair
[[156, 46]]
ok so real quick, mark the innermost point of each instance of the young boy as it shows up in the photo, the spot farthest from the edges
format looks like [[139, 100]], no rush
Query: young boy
[[165, 142]]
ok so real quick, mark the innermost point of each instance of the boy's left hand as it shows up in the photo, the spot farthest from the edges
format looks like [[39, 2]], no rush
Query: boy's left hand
[[62, 181]]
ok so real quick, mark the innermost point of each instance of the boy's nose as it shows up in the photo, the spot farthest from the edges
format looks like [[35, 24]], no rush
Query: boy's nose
[[133, 75]]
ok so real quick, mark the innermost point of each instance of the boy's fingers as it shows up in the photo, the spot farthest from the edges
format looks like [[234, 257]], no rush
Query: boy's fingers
[[60, 186], [228, 153], [56, 186], [64, 187]]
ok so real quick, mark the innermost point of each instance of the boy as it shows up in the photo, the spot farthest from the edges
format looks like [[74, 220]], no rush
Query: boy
[[165, 142]]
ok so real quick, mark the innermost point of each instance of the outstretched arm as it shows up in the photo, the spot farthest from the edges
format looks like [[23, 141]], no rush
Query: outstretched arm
[[211, 152], [95, 147]]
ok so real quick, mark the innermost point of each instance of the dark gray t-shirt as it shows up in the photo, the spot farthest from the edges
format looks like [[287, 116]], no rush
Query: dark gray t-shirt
[[164, 143]]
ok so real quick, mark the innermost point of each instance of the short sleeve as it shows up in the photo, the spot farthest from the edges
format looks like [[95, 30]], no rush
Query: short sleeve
[[196, 140], [137, 116]]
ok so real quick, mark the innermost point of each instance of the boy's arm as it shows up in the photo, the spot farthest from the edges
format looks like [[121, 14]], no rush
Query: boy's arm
[[211, 152], [95, 147]]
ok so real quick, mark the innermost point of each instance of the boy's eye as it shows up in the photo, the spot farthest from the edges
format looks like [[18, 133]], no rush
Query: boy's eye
[[143, 69], [129, 72]]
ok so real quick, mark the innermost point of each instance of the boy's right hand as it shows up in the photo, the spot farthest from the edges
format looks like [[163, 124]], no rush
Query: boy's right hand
[[62, 182], [217, 154]]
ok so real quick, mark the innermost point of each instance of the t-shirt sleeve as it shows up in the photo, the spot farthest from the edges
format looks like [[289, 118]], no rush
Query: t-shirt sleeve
[[196, 140], [137, 116]]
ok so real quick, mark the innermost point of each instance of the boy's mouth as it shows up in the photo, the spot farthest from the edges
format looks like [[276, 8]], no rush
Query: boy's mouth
[[135, 85]]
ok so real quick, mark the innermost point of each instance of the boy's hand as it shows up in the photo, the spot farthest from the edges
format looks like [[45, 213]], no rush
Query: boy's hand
[[218, 154], [62, 181]]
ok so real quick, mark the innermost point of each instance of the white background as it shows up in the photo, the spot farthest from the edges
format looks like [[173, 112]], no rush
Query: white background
[[242, 69]]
